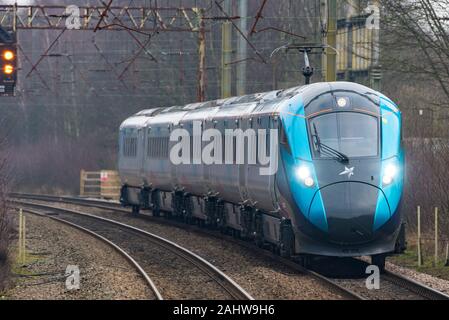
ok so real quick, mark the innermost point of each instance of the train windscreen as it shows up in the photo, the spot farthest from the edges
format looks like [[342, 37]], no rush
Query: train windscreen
[[350, 133]]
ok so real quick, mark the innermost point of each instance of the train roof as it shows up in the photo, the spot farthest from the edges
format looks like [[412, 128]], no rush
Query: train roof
[[240, 106]]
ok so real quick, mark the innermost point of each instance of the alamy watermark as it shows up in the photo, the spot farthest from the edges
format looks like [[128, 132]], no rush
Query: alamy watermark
[[73, 17], [373, 280], [373, 20], [230, 149], [72, 274]]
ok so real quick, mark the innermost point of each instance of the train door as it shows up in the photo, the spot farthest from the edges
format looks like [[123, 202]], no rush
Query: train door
[[207, 124], [243, 167], [182, 171], [129, 157], [260, 184], [217, 169], [141, 138], [173, 168]]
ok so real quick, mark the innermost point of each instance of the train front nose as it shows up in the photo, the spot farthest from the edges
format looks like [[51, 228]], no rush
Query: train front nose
[[350, 209]]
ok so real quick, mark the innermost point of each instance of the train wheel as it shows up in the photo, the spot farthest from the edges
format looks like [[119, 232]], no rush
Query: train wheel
[[304, 260], [156, 213], [259, 241], [135, 210], [285, 251], [277, 250], [379, 261]]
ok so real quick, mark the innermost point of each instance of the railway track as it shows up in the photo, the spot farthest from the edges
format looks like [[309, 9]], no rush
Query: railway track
[[190, 284], [123, 253], [350, 273], [116, 207], [395, 286]]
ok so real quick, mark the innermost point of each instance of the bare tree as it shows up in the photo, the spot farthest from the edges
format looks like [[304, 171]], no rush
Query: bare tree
[[415, 60], [416, 42], [6, 229]]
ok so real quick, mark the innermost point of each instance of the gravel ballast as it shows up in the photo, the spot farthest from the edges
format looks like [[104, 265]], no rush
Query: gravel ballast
[[263, 278], [52, 246], [431, 281]]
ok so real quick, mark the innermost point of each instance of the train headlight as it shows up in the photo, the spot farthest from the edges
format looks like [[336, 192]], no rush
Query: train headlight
[[309, 182], [342, 102], [303, 173], [389, 174]]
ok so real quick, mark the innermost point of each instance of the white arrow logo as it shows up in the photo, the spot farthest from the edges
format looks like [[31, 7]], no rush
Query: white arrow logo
[[348, 171]]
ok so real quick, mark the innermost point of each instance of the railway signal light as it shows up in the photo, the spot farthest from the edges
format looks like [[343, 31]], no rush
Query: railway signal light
[[8, 55], [8, 68]]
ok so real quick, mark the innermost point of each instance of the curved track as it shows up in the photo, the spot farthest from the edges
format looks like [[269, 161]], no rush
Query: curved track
[[131, 238], [122, 252], [116, 207], [350, 273], [396, 285]]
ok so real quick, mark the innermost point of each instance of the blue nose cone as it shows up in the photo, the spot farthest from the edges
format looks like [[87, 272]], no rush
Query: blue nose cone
[[350, 211]]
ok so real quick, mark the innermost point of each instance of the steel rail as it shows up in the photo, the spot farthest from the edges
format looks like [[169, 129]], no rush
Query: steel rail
[[415, 286], [228, 284], [115, 206], [122, 252], [395, 278]]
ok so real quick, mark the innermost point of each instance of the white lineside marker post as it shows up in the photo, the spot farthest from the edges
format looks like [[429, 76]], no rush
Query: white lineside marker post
[[24, 240], [419, 237], [20, 235], [447, 255], [435, 261], [82, 182]]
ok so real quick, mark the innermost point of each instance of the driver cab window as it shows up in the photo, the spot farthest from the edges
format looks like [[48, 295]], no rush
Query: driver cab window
[[353, 134]]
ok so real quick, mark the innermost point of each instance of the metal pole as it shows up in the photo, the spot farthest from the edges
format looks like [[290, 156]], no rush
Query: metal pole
[[376, 71], [226, 48], [242, 47], [14, 18], [331, 41], [347, 45], [321, 27], [202, 58], [436, 237], [419, 237]]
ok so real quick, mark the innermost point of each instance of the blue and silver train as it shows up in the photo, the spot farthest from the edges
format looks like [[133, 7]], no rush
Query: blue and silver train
[[338, 185]]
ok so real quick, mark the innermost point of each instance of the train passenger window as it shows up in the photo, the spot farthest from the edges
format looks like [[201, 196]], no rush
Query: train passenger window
[[157, 147], [134, 149], [130, 146]]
